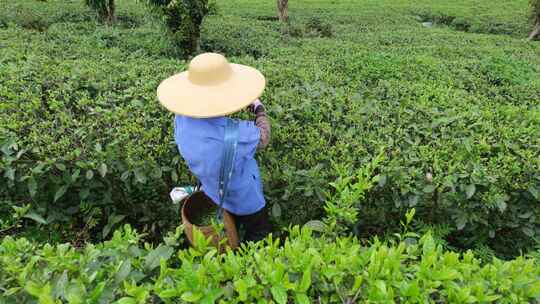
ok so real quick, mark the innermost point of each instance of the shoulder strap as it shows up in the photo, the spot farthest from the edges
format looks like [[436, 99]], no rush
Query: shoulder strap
[[227, 161]]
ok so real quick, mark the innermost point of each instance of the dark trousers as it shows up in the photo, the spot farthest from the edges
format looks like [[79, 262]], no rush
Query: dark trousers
[[256, 226]]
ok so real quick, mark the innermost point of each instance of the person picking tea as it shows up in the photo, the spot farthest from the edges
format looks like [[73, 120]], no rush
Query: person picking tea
[[202, 98]]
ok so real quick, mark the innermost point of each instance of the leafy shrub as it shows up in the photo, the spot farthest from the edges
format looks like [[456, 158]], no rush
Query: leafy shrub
[[183, 20], [256, 40], [28, 19], [343, 203], [303, 269], [213, 8], [41, 15], [436, 17], [105, 9], [312, 28], [461, 24], [475, 24], [293, 30], [317, 27]]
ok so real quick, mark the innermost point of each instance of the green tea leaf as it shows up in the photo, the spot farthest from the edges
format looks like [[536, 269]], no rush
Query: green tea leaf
[[12, 291], [140, 177], [75, 175], [126, 300], [305, 283], [301, 298], [75, 294], [316, 225], [10, 174], [279, 293], [167, 293], [429, 189], [381, 180], [156, 173], [501, 204], [32, 187], [84, 193], [461, 221], [36, 217], [60, 285], [533, 290], [211, 296], [241, 287], [102, 169], [42, 292], [191, 297], [33, 288], [470, 190], [8, 146], [151, 261], [113, 220], [525, 215], [534, 192], [276, 210], [96, 293], [528, 231], [60, 192], [123, 272]]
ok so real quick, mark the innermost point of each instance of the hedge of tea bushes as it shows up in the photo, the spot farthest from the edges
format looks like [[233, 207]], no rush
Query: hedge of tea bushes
[[305, 269], [84, 140]]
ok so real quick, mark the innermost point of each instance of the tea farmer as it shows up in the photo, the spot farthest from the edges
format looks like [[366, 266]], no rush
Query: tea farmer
[[201, 98]]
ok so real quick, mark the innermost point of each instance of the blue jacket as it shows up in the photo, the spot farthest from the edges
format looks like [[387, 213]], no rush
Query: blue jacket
[[200, 142]]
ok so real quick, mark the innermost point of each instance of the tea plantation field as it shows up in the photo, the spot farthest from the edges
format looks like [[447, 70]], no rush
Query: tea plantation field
[[427, 105]]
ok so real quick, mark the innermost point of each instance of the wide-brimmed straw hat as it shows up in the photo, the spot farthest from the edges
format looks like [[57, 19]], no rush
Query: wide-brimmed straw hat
[[211, 87]]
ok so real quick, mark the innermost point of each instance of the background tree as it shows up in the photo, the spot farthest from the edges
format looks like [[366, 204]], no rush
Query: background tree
[[535, 16], [105, 9], [183, 19], [283, 7]]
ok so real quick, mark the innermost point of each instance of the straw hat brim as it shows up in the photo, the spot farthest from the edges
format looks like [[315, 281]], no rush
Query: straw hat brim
[[181, 96]]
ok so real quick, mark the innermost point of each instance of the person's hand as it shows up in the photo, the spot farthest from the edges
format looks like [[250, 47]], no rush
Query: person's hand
[[253, 107]]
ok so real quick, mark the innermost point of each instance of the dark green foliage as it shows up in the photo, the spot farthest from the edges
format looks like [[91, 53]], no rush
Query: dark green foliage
[[213, 7], [317, 27], [239, 40], [183, 19], [40, 16], [293, 30], [28, 18], [303, 270], [105, 9], [461, 24], [475, 24], [313, 28]]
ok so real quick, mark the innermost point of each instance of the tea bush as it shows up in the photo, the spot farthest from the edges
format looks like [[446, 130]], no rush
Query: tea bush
[[316, 27], [39, 16], [302, 270], [84, 141], [183, 21]]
